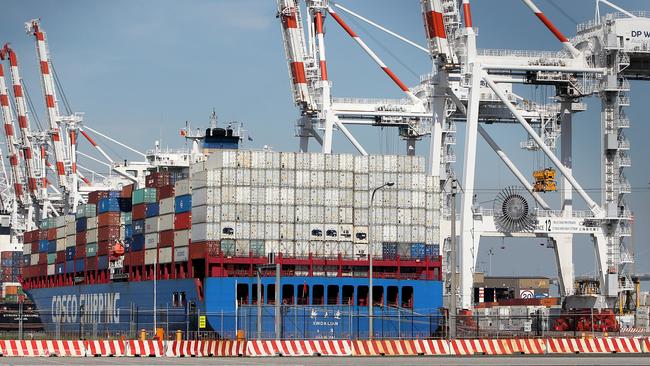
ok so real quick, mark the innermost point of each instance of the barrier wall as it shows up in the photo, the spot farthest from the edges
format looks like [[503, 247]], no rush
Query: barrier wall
[[306, 348]]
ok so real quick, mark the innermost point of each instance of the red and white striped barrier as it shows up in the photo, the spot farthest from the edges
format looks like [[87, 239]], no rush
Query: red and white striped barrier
[[594, 345], [299, 348], [223, 348], [393, 348], [105, 348], [185, 348], [528, 346], [465, 347], [645, 342], [41, 348], [145, 348], [432, 347]]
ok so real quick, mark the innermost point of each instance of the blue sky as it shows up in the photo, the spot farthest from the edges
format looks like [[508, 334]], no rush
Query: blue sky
[[140, 68]]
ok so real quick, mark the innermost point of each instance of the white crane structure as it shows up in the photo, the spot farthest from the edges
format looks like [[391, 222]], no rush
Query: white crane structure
[[475, 86]]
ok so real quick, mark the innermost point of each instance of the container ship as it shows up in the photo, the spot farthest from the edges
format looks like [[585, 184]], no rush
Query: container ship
[[191, 241]]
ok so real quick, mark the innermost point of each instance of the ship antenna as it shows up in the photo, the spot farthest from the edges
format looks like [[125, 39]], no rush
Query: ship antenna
[[213, 119]]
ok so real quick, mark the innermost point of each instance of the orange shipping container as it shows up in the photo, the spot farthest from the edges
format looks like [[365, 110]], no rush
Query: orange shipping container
[[108, 219]]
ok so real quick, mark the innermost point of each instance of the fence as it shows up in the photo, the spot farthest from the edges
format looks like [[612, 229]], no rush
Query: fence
[[302, 322]]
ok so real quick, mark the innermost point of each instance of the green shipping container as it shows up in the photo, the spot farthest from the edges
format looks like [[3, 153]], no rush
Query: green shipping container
[[126, 218], [51, 258], [144, 195], [257, 248], [91, 249], [87, 210]]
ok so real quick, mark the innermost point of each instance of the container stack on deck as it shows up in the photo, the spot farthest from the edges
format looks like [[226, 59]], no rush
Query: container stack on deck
[[243, 204]]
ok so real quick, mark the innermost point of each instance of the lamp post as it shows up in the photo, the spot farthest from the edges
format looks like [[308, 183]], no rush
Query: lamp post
[[371, 251]]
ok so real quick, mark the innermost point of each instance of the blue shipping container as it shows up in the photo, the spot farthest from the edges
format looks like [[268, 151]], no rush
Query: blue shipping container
[[389, 251], [102, 262], [153, 209], [418, 251], [60, 268], [128, 231], [138, 227], [114, 194], [137, 243], [183, 203], [79, 265], [69, 253], [69, 266], [81, 224], [51, 246], [26, 260], [108, 205], [42, 246]]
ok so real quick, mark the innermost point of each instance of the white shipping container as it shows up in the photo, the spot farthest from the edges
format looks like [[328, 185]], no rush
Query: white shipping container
[[287, 248], [271, 231], [317, 248], [272, 177], [330, 213], [229, 177], [272, 195], [331, 232], [316, 161], [272, 246], [181, 238], [70, 228], [213, 196], [33, 259], [360, 251], [361, 164], [331, 249], [302, 214], [286, 231], [272, 213], [287, 196], [181, 254], [228, 230], [205, 231], [91, 223], [167, 205], [151, 240], [346, 232], [199, 180], [151, 224], [243, 230], [375, 163], [257, 159], [165, 222], [150, 256], [256, 230], [287, 213], [243, 195], [60, 244], [317, 213], [255, 212], [91, 236], [242, 248], [316, 179], [272, 159], [303, 179], [288, 178], [243, 212], [346, 162], [50, 269], [197, 168], [303, 160], [165, 255], [182, 187], [301, 232], [360, 235], [203, 213], [70, 241], [346, 249], [360, 216], [243, 177], [228, 212], [301, 249], [345, 215], [288, 160], [316, 232], [418, 234], [27, 249]]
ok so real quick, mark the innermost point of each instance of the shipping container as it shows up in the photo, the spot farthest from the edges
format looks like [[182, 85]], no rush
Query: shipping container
[[151, 225], [166, 222], [183, 220], [167, 205], [108, 219], [144, 195], [150, 256], [166, 238], [69, 266], [102, 262], [182, 187], [166, 192], [228, 248], [139, 212], [181, 238], [79, 265], [389, 251], [181, 254], [165, 255], [151, 240], [81, 224], [137, 243], [138, 227], [108, 205], [153, 209], [183, 203]]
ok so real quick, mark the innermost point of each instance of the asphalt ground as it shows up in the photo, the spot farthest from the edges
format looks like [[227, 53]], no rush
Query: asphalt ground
[[344, 361]]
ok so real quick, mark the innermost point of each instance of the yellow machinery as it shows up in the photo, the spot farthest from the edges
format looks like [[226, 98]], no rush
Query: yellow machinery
[[544, 180]]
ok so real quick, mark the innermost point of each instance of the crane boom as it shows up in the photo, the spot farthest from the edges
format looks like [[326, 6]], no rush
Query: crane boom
[[293, 35], [23, 121], [434, 27], [53, 114], [8, 120]]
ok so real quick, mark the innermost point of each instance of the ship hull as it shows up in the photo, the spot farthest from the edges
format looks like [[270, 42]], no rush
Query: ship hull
[[312, 307]]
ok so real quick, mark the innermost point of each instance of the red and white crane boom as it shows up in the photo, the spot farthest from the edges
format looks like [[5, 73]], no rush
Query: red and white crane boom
[[12, 144], [50, 101]]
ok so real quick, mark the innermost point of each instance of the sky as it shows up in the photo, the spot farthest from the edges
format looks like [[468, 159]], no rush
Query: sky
[[139, 69]]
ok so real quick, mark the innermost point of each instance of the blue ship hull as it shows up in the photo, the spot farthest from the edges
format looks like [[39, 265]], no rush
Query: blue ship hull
[[312, 307]]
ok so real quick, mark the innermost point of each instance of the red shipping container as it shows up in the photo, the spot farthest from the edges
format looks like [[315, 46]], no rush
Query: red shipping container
[[51, 234], [166, 238], [28, 237], [34, 247], [95, 196], [205, 249], [108, 232], [42, 259], [60, 257], [139, 211], [108, 219], [91, 263], [127, 191], [166, 191], [158, 179], [80, 239], [80, 252], [104, 247], [134, 258], [6, 255], [183, 220], [42, 235]]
